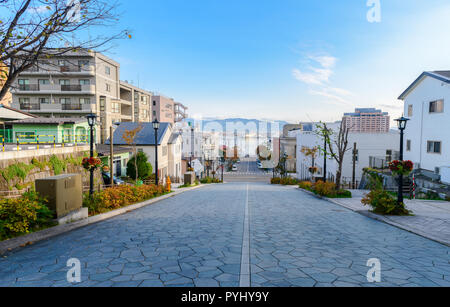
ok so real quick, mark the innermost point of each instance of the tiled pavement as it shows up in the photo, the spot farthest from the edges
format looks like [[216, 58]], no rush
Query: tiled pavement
[[195, 239]]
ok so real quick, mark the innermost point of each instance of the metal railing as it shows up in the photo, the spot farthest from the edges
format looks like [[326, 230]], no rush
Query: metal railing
[[29, 87], [30, 106], [71, 88], [71, 107], [69, 69]]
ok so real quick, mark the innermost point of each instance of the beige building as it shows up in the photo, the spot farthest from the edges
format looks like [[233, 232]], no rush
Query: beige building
[[77, 84], [367, 120], [167, 110], [288, 146]]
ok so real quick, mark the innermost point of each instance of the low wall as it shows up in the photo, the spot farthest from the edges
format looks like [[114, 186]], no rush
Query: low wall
[[29, 154]]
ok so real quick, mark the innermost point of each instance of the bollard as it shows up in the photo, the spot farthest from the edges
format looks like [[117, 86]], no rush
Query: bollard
[[168, 184], [37, 141], [3, 143], [18, 144]]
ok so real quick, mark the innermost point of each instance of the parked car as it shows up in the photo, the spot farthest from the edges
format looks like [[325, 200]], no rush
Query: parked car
[[234, 168], [107, 179]]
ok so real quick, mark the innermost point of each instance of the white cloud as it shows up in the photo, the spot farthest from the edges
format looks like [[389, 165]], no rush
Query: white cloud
[[334, 99]]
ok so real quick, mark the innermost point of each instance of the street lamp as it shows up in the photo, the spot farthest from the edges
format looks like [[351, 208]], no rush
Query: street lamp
[[401, 126], [91, 118], [156, 127], [325, 133]]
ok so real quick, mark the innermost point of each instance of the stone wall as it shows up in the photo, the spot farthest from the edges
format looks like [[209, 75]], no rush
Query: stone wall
[[40, 167]]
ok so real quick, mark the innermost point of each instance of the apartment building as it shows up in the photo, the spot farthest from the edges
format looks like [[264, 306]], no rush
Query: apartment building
[[167, 110], [77, 84], [138, 100], [368, 120], [427, 134]]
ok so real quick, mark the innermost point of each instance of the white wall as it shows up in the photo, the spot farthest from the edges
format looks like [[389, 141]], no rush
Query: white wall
[[368, 145], [424, 127]]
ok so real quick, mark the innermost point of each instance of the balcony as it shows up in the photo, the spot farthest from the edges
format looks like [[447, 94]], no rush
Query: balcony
[[72, 107], [70, 69], [30, 106], [28, 87], [71, 88]]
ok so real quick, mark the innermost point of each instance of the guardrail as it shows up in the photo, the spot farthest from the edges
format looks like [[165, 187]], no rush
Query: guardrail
[[41, 139]]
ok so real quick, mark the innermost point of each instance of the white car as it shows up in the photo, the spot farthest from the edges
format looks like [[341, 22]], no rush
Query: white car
[[234, 168]]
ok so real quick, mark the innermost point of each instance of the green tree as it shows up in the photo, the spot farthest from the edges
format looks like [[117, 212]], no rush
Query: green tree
[[144, 168]]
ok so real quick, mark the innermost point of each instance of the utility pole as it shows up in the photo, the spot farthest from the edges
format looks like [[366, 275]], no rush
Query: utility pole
[[111, 149], [355, 152], [325, 156]]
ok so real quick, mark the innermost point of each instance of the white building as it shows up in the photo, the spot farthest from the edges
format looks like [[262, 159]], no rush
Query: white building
[[169, 146], [373, 150], [427, 135]]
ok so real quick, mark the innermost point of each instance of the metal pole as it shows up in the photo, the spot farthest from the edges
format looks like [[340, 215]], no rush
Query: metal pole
[[354, 166], [325, 156], [111, 149], [400, 182], [156, 157], [91, 186]]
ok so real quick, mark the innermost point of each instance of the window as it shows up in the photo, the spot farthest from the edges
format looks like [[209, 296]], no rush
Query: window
[[64, 82], [44, 100], [388, 155], [24, 81], [164, 151], [154, 102], [108, 87], [434, 147], [62, 63], [85, 82], [83, 63], [44, 81], [85, 101], [115, 107], [102, 103], [64, 100], [24, 100], [437, 106], [154, 113], [410, 110], [408, 145], [107, 70]]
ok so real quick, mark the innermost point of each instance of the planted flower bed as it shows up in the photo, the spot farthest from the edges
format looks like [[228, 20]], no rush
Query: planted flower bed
[[121, 196], [284, 181], [325, 189]]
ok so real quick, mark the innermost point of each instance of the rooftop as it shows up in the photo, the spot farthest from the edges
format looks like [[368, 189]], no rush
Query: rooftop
[[145, 137]]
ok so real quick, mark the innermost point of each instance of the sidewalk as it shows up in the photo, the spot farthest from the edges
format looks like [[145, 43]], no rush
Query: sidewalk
[[431, 218]]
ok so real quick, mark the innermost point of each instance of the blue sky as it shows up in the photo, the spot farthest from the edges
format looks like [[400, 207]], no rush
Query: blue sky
[[290, 60]]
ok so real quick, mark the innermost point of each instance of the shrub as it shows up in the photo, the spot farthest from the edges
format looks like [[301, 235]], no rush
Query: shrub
[[145, 169], [23, 215], [325, 188], [306, 185], [275, 180], [120, 196], [343, 194], [383, 203], [209, 180]]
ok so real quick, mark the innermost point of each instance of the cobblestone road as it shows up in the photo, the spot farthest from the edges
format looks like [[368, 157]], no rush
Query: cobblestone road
[[197, 239]]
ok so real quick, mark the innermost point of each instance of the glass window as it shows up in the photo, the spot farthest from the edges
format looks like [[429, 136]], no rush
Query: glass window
[[64, 100], [437, 106], [44, 81], [85, 101], [85, 82], [24, 100], [408, 145], [102, 103], [410, 110], [24, 81], [62, 63], [64, 82], [107, 70], [83, 63], [434, 147], [44, 100], [108, 87]]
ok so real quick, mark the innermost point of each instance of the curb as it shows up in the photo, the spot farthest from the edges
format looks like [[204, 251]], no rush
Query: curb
[[29, 239], [381, 218]]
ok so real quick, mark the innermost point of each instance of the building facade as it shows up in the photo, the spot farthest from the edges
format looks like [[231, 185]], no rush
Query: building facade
[[77, 84], [368, 120], [427, 134], [370, 147], [167, 110]]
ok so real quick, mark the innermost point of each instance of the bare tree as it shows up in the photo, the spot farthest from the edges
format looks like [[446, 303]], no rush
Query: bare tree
[[130, 138], [42, 29], [337, 146]]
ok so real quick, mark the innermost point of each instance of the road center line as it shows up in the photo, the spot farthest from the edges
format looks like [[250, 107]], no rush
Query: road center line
[[244, 280]]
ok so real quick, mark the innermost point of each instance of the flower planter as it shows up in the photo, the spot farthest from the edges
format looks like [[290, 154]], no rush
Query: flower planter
[[189, 178]]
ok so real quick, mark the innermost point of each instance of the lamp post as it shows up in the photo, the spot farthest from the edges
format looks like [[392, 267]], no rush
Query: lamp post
[[325, 155], [156, 127], [91, 122], [401, 126]]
